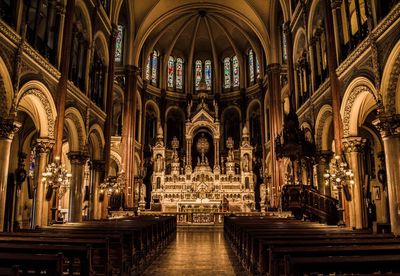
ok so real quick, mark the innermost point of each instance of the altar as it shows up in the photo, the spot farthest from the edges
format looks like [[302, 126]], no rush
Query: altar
[[202, 181]]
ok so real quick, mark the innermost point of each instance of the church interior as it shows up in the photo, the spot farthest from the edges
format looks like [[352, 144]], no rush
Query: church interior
[[134, 134]]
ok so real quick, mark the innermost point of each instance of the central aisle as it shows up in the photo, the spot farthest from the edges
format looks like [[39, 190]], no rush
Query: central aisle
[[196, 251]]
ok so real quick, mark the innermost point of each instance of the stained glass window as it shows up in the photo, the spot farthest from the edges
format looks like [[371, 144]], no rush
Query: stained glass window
[[147, 74], [198, 72], [227, 73], [235, 65], [207, 73], [179, 73], [118, 44], [171, 70], [284, 45], [251, 66], [257, 69], [154, 67]]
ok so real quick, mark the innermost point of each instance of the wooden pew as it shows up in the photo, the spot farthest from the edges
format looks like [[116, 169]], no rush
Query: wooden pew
[[33, 264]]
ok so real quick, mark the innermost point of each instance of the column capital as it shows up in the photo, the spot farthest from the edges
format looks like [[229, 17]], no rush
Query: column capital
[[335, 4], [77, 157], [324, 156], [98, 165], [388, 125], [274, 68], [44, 145], [132, 70], [354, 144], [8, 127]]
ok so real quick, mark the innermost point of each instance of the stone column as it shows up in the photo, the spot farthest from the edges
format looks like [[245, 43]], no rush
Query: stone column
[[275, 107], [389, 127], [109, 103], [61, 91], [354, 148], [78, 160], [7, 130], [96, 206], [43, 147], [128, 132]]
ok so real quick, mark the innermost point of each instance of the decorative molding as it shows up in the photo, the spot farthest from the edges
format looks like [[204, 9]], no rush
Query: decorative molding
[[77, 157], [8, 127], [390, 101], [388, 125], [354, 144], [46, 106], [349, 105], [382, 27], [44, 145], [320, 128]]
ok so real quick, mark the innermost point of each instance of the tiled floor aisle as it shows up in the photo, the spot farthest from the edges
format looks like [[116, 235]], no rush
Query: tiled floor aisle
[[197, 251]]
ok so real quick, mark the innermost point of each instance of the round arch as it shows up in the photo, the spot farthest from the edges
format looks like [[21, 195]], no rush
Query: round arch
[[358, 102], [154, 106], [390, 87], [96, 140], [322, 126], [36, 100], [6, 90], [103, 46], [80, 4], [252, 105], [76, 129]]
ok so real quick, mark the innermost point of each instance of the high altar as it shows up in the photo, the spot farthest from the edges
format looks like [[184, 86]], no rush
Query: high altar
[[202, 181]]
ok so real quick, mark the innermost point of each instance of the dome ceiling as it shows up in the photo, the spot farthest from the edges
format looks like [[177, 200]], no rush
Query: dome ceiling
[[201, 31], [197, 29]]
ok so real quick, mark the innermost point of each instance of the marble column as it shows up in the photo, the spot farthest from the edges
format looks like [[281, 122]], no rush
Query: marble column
[[78, 160], [389, 127], [275, 107], [109, 103], [43, 147], [7, 130], [128, 132], [95, 205], [354, 148]]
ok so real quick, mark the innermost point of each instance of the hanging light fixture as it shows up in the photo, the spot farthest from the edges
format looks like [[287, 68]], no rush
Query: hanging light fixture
[[339, 175], [57, 177]]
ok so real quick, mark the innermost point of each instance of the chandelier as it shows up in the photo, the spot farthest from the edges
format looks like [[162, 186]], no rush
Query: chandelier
[[340, 176], [57, 177]]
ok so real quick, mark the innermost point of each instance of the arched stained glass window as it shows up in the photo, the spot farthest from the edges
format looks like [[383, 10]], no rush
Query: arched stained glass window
[[119, 43], [235, 65], [154, 67], [251, 66], [257, 69], [171, 72], [207, 73], [179, 73], [198, 73], [227, 73], [147, 72]]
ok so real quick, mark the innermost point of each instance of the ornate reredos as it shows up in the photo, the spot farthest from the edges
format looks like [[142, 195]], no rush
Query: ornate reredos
[[202, 119]]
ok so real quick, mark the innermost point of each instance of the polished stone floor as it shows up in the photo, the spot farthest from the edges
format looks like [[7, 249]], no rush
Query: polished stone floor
[[196, 251]]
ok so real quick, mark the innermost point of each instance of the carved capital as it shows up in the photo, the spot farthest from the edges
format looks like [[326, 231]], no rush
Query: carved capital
[[77, 157], [131, 70], [354, 144], [44, 145], [324, 157], [8, 127], [98, 165], [274, 68], [335, 4], [388, 125]]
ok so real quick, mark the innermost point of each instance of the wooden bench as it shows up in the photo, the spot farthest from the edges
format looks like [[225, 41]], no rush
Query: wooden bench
[[33, 264]]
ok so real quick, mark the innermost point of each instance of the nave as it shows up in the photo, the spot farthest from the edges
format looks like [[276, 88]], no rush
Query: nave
[[196, 251]]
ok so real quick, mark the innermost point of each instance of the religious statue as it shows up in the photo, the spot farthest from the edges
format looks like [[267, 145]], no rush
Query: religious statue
[[158, 165], [263, 193], [142, 192], [245, 163]]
